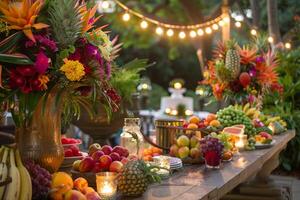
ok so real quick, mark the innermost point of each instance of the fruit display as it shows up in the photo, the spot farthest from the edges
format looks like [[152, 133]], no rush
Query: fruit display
[[229, 116], [16, 176], [135, 178], [72, 151], [226, 139], [149, 153], [263, 138], [187, 149], [105, 158], [212, 149], [64, 188]]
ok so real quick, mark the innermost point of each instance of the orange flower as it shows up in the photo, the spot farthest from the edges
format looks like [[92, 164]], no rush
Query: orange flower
[[218, 90], [88, 18], [44, 79], [220, 51], [248, 55], [22, 15]]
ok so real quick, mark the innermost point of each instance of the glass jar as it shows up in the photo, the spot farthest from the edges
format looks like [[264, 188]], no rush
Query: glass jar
[[131, 137]]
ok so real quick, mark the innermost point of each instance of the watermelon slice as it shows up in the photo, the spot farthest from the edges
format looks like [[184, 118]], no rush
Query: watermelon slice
[[242, 126], [233, 130]]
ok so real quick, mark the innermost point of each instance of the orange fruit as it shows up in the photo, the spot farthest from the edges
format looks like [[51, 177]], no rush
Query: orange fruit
[[215, 123], [192, 126], [157, 150], [194, 119], [148, 158], [62, 183], [211, 117], [147, 152]]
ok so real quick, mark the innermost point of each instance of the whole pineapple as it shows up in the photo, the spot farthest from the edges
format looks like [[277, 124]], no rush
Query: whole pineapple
[[232, 60], [135, 178]]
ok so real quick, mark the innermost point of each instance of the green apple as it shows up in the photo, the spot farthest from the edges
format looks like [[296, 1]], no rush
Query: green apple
[[183, 141], [183, 152], [194, 141]]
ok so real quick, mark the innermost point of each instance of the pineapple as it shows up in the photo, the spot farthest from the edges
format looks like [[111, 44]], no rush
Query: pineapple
[[232, 60], [135, 178]]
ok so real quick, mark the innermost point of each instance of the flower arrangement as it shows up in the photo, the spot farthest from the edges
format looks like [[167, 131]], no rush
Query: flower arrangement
[[53, 46], [243, 73]]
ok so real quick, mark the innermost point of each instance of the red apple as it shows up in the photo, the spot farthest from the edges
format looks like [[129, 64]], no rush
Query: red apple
[[105, 161], [106, 149], [87, 164], [97, 168], [94, 147], [97, 154], [124, 161], [116, 166], [115, 156]]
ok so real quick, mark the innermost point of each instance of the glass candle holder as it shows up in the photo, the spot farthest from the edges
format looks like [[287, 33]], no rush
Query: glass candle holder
[[106, 185], [241, 142]]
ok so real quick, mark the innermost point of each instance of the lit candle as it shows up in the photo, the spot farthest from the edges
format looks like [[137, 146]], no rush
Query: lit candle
[[106, 185], [240, 144], [177, 85]]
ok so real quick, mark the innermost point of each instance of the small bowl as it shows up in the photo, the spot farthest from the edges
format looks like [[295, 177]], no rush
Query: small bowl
[[68, 145]]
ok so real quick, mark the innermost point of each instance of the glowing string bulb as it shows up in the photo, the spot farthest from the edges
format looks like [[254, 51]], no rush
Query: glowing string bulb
[[144, 24], [126, 17], [287, 45], [221, 23], [226, 19], [208, 30], [253, 32], [193, 34], [182, 35], [270, 39], [200, 32], [215, 26], [238, 24], [159, 31], [105, 5], [170, 32]]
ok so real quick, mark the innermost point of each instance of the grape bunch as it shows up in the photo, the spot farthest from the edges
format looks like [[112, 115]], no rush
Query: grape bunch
[[230, 116], [209, 144], [40, 179]]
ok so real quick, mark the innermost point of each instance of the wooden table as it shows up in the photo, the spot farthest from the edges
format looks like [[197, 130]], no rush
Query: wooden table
[[196, 182]]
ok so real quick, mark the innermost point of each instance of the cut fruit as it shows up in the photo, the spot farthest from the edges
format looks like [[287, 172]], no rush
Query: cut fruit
[[234, 130]]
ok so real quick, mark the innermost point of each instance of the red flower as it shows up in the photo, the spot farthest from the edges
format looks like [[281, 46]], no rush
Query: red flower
[[41, 63]]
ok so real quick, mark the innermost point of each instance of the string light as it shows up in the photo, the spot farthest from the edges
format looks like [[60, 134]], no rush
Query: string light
[[287, 45], [193, 34], [238, 24], [200, 32], [182, 35], [208, 30], [270, 39], [144, 24], [226, 19], [221, 23], [159, 31], [170, 32], [105, 5], [215, 27], [126, 17], [253, 32]]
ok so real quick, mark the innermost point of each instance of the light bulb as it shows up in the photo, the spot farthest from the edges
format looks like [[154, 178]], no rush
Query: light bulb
[[105, 4], [287, 45], [215, 27], [182, 35], [238, 24], [144, 24], [253, 32], [208, 30], [221, 23], [226, 19], [159, 31], [200, 32], [126, 17], [193, 34], [270, 39], [170, 32]]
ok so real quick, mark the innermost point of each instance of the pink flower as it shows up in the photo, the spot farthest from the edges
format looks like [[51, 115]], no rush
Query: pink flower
[[41, 63]]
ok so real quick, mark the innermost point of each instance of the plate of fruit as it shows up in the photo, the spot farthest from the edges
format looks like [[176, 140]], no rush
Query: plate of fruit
[[264, 140], [72, 153], [66, 142]]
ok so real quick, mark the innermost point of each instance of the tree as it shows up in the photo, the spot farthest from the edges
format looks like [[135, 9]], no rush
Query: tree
[[273, 25]]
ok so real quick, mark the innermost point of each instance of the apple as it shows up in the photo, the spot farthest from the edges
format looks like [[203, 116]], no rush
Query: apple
[[97, 154], [174, 150], [74, 195], [183, 152], [76, 164], [106, 149], [121, 151], [87, 164], [97, 168], [195, 153], [88, 190], [124, 161], [92, 196], [94, 147], [194, 141], [80, 183], [116, 166], [115, 156], [183, 141], [105, 161]]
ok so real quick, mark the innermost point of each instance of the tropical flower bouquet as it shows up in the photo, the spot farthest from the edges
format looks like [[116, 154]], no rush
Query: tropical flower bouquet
[[244, 74], [53, 61]]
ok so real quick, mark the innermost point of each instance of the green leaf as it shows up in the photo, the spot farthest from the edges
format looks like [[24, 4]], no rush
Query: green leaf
[[8, 43], [18, 59]]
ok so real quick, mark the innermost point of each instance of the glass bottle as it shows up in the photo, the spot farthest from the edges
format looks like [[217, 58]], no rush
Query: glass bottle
[[131, 137]]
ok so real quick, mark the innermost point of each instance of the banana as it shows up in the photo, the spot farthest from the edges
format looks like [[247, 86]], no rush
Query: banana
[[26, 187], [3, 171], [272, 119], [13, 189], [246, 107], [250, 112]]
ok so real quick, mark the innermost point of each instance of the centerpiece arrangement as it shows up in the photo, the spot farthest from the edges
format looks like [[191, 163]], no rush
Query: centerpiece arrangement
[[242, 73], [53, 63]]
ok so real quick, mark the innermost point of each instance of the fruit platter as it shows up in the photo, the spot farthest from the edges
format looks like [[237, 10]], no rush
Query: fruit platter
[[71, 151]]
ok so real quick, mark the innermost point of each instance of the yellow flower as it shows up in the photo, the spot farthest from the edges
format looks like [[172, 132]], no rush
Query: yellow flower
[[73, 70], [44, 79]]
